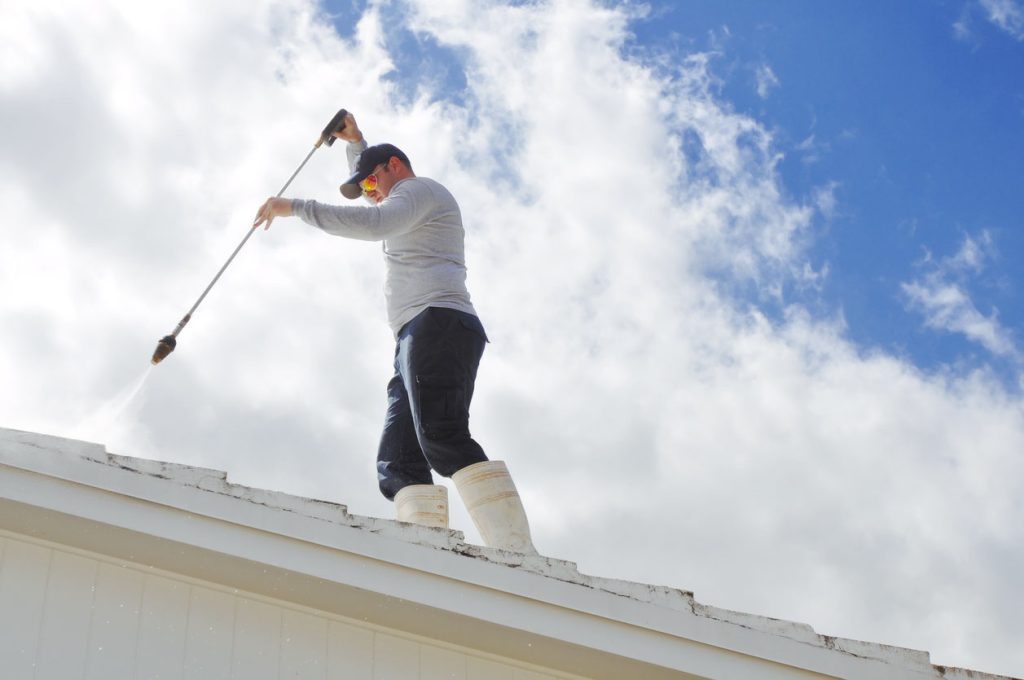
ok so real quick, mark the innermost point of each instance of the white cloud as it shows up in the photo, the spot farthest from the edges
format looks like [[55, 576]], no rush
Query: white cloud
[[766, 80], [810, 149], [941, 296], [825, 199], [1008, 15], [773, 467], [972, 254], [948, 307], [962, 28]]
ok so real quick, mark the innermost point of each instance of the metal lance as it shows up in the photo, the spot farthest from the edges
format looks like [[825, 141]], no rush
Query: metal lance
[[167, 343]]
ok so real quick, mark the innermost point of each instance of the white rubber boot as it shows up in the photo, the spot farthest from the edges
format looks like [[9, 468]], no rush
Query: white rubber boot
[[494, 505], [425, 504]]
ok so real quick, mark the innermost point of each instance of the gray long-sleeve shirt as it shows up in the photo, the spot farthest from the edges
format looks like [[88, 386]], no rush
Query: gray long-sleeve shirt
[[424, 244]]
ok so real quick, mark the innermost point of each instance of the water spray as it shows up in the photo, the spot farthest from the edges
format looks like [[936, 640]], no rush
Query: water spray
[[167, 343]]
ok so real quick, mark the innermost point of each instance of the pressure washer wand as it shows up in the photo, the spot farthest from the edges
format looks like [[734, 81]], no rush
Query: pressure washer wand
[[169, 342]]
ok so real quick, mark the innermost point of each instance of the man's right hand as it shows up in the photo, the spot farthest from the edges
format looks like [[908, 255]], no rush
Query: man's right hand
[[274, 207], [351, 132]]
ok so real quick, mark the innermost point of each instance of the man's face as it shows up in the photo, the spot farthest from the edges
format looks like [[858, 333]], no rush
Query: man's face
[[383, 178]]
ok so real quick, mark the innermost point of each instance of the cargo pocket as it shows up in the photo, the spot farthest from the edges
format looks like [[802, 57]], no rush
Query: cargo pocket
[[442, 407]]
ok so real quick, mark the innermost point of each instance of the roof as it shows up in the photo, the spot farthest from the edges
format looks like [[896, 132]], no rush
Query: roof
[[425, 581]]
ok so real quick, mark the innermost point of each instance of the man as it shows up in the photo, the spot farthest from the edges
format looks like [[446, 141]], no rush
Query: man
[[439, 341]]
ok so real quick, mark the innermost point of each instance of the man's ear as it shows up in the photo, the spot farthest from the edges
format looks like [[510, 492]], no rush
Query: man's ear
[[396, 164]]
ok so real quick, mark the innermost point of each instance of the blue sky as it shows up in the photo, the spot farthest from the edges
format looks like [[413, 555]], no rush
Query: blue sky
[[921, 129], [749, 271]]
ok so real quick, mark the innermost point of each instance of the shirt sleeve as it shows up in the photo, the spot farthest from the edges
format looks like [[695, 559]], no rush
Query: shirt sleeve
[[405, 209], [353, 150]]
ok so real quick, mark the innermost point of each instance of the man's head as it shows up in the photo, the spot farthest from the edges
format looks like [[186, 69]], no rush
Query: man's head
[[378, 169]]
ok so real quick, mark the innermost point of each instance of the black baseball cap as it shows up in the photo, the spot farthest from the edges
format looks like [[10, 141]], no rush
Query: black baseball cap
[[371, 157]]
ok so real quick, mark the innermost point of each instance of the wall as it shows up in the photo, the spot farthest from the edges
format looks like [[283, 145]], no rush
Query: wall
[[67, 613]]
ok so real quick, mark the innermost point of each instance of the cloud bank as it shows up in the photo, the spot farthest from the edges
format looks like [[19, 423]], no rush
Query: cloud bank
[[625, 228]]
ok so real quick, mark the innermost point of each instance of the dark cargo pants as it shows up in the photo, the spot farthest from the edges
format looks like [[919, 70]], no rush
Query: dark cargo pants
[[427, 421]]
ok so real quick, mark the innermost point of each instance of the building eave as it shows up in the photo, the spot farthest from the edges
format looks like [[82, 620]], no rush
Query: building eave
[[427, 582]]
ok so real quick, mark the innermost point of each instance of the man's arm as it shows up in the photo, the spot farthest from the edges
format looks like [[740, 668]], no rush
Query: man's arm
[[406, 208], [282, 207], [356, 142]]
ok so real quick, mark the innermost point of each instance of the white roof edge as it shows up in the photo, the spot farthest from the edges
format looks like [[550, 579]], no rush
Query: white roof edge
[[202, 491]]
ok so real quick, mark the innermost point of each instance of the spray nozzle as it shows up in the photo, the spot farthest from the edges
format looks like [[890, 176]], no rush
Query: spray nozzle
[[163, 348]]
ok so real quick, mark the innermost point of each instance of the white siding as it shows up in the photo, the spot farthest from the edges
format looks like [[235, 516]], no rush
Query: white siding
[[115, 623], [485, 669], [349, 652], [23, 571], [161, 646], [67, 617], [304, 647], [395, 658], [66, 614], [441, 664], [258, 629], [209, 642]]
